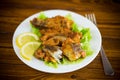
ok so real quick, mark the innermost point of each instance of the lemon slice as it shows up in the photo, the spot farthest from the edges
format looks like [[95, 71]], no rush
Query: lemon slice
[[26, 37], [28, 49]]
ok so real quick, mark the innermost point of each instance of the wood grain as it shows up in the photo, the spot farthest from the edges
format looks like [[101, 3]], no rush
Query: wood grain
[[12, 12]]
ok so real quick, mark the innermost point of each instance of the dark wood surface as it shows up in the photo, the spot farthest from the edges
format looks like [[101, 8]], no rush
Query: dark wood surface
[[12, 12]]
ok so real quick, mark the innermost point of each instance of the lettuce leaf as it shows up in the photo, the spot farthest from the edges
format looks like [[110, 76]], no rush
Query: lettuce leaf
[[85, 41], [76, 28], [51, 64], [69, 16], [86, 46], [86, 35], [42, 16], [35, 30], [66, 61]]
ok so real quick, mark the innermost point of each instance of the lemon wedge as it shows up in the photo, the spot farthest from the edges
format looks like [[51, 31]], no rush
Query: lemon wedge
[[28, 50], [26, 37]]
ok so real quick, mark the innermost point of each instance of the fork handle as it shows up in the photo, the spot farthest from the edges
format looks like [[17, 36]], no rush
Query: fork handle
[[106, 64]]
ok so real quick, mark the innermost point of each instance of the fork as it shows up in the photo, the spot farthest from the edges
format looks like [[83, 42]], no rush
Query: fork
[[106, 64]]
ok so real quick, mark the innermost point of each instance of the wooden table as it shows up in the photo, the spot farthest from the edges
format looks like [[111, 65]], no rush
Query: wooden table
[[12, 12]]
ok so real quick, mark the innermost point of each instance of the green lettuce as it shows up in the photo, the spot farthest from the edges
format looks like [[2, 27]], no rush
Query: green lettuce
[[86, 46], [69, 16], [42, 16], [85, 41], [76, 28], [51, 64], [66, 61], [86, 35], [35, 30]]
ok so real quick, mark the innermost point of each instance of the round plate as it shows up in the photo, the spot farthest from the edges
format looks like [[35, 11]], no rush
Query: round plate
[[95, 42]]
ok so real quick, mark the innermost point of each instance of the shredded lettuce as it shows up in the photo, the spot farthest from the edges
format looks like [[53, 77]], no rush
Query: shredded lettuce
[[86, 35], [76, 28], [51, 64], [42, 16], [69, 16], [66, 61], [35, 30], [86, 46], [85, 41]]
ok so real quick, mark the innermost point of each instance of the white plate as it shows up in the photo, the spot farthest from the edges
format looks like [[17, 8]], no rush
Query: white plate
[[80, 20]]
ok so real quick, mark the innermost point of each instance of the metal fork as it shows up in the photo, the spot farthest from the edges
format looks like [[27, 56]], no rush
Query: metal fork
[[106, 64]]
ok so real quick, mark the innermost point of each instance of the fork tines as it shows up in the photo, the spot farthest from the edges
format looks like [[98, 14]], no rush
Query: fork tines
[[91, 17]]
